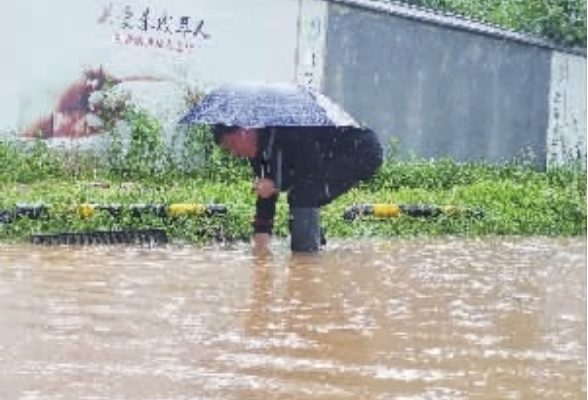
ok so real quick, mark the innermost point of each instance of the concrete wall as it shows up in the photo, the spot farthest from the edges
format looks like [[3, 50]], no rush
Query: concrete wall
[[443, 87], [566, 134]]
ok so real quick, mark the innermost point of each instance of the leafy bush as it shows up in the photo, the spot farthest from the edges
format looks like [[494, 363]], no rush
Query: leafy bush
[[562, 21], [516, 198]]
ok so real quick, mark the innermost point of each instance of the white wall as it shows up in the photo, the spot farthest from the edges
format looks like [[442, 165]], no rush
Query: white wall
[[311, 44], [46, 45], [566, 136]]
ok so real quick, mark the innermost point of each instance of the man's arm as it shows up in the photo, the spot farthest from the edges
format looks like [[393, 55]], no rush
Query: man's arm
[[265, 206], [265, 212]]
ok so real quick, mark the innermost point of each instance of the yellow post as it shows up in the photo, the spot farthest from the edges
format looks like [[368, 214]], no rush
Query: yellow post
[[86, 210], [386, 210], [186, 209]]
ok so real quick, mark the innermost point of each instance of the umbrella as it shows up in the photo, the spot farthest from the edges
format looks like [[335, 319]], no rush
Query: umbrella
[[262, 104]]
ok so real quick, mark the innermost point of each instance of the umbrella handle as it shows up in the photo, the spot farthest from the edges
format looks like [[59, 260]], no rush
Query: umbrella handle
[[278, 178], [279, 169], [267, 155]]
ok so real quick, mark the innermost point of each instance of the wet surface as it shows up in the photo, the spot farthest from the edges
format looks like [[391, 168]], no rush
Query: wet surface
[[497, 318]]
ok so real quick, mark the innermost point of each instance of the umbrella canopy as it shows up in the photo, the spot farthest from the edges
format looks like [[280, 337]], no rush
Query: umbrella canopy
[[261, 104]]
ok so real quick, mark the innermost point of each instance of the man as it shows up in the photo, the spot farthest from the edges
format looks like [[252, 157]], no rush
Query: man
[[315, 165]]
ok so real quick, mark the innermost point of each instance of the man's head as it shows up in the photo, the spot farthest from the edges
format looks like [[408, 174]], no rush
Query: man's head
[[241, 142]]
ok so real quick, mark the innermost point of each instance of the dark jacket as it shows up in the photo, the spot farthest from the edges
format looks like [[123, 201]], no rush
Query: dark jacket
[[315, 165]]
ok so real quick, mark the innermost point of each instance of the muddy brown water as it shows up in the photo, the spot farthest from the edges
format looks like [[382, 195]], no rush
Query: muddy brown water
[[492, 318]]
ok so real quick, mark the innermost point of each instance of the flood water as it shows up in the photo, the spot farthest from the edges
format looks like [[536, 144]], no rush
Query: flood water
[[492, 318]]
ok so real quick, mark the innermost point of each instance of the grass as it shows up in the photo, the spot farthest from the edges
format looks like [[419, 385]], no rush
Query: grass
[[516, 198]]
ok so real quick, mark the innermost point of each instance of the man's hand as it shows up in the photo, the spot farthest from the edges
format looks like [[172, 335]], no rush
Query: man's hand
[[265, 188]]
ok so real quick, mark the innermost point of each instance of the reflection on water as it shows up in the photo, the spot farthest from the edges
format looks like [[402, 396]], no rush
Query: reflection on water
[[499, 318]]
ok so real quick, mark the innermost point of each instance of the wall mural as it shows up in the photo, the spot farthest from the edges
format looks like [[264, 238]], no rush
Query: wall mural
[[83, 106], [85, 73]]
